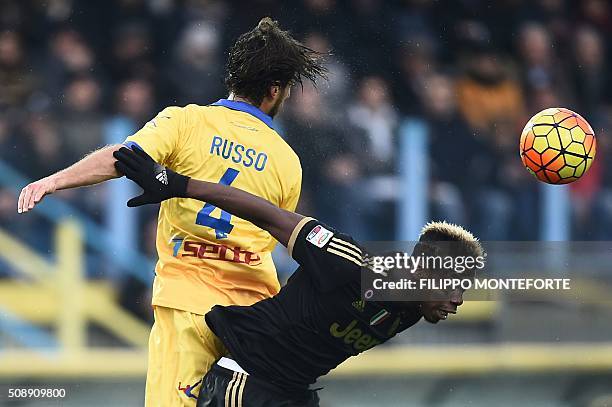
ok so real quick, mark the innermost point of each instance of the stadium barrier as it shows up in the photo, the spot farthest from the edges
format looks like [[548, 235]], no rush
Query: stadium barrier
[[56, 295], [96, 237], [414, 177], [386, 361]]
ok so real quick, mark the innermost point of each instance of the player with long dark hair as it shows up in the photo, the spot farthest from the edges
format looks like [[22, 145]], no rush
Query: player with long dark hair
[[206, 256]]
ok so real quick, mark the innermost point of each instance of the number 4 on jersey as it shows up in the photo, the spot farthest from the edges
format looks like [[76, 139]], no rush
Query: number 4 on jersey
[[222, 225]]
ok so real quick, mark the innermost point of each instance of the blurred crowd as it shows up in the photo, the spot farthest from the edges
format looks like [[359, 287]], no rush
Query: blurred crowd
[[473, 71]]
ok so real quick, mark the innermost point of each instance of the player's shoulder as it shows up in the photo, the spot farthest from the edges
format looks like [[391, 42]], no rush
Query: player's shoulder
[[193, 110], [192, 114], [170, 112], [183, 113], [190, 109]]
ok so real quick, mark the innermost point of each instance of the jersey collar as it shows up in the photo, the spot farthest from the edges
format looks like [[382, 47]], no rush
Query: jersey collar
[[247, 108]]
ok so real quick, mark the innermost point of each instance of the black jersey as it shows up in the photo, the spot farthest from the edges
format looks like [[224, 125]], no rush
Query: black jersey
[[316, 321]]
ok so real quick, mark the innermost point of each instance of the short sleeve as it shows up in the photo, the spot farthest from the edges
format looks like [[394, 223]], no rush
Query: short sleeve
[[331, 258], [159, 136]]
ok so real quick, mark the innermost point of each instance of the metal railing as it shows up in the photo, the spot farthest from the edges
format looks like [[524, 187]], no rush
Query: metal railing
[[96, 237], [57, 294]]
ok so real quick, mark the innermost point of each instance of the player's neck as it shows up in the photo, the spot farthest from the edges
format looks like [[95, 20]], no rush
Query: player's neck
[[245, 100]]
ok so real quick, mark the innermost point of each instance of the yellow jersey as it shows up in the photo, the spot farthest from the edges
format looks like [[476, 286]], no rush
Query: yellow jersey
[[208, 256]]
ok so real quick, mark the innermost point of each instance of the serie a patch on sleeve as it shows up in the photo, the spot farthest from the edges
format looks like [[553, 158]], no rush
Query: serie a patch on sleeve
[[318, 236]]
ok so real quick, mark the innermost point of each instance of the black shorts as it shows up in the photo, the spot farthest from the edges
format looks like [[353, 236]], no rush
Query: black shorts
[[223, 387]]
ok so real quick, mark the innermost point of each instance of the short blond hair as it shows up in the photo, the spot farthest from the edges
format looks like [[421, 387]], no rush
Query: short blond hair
[[448, 232]]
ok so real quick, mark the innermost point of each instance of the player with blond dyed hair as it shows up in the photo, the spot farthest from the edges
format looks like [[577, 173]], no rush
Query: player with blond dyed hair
[[279, 346], [206, 255]]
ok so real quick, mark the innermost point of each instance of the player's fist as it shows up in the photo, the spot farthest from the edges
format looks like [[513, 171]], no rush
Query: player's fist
[[158, 182], [33, 193]]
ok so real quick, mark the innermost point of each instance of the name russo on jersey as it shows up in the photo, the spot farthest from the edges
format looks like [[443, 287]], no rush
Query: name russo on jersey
[[239, 154]]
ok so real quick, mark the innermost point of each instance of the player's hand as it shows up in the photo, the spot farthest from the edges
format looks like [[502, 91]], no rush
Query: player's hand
[[159, 183], [33, 193]]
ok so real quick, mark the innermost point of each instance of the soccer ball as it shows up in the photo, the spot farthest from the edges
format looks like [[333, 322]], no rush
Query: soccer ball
[[557, 146]]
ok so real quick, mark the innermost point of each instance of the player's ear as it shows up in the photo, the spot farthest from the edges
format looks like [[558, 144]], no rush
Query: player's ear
[[275, 90]]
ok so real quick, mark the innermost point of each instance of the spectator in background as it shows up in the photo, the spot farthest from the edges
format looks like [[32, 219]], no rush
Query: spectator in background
[[371, 34], [9, 144], [374, 114], [81, 117], [12, 14], [486, 92], [597, 225], [491, 102], [329, 163], [322, 16], [136, 100], [415, 62], [210, 10], [16, 80], [598, 13], [414, 20], [40, 140], [69, 56], [193, 75], [335, 90], [452, 151], [80, 123], [591, 79], [28, 150], [540, 65], [132, 51]]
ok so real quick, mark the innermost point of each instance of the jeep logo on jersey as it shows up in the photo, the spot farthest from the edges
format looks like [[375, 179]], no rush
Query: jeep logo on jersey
[[318, 236], [351, 335]]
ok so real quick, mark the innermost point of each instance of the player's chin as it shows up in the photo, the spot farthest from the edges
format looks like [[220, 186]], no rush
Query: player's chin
[[432, 318], [435, 316]]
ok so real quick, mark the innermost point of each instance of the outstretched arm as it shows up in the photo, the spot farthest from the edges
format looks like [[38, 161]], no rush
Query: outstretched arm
[[160, 183], [93, 169]]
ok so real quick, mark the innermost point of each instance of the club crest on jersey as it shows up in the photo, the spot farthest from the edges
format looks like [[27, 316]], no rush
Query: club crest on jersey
[[318, 236]]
